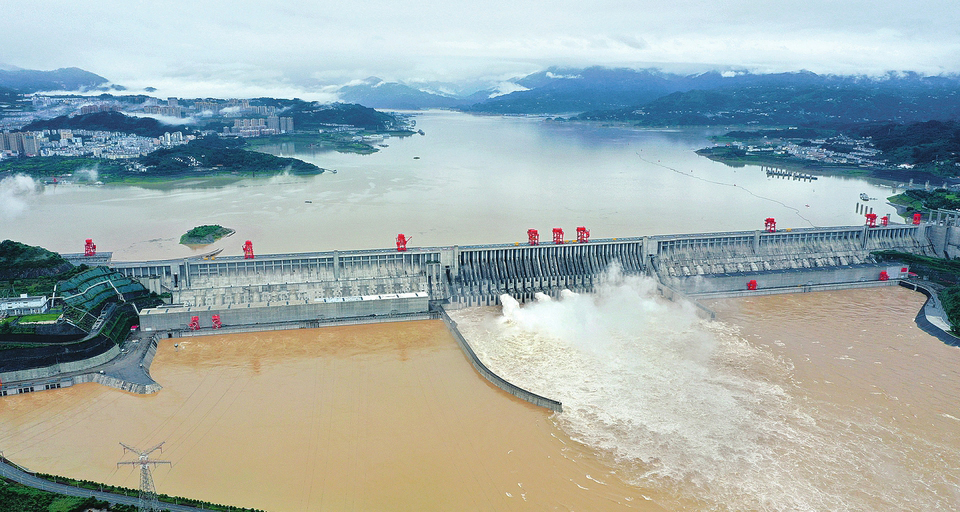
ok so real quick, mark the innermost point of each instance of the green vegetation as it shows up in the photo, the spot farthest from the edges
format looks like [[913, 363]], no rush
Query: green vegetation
[[308, 116], [46, 317], [950, 299], [810, 104], [200, 158], [87, 484], [206, 234], [326, 141], [921, 200], [37, 286], [736, 157], [932, 146], [17, 259], [48, 167], [86, 295], [15, 497], [107, 122], [220, 154], [943, 274]]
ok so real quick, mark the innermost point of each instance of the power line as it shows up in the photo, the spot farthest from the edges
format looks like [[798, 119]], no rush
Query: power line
[[796, 210]]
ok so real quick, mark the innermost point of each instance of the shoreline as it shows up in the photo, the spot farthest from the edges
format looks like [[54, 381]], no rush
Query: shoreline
[[892, 176]]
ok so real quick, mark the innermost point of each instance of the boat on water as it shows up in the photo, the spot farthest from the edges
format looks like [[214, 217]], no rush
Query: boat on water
[[864, 196]]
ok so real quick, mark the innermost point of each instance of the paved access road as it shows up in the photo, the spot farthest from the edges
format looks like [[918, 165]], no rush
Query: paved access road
[[12, 472]]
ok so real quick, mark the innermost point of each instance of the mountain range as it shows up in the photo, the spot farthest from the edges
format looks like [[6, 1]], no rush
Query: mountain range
[[651, 97], [25, 81]]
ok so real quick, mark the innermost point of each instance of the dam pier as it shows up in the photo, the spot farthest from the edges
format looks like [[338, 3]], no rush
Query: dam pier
[[320, 288]]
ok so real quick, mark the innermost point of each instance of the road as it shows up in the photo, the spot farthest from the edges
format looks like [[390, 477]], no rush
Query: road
[[12, 472]]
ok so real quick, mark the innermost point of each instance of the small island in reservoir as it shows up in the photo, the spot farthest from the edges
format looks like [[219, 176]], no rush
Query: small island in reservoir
[[204, 235]]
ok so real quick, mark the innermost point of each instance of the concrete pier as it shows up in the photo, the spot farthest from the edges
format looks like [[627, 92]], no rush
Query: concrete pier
[[234, 287]]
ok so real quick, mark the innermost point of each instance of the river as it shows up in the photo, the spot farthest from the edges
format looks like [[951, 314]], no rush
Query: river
[[820, 401], [469, 180]]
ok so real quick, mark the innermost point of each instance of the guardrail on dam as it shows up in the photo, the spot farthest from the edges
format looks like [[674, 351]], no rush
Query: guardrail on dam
[[479, 274]]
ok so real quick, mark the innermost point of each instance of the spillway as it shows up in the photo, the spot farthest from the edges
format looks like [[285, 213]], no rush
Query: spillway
[[705, 264]]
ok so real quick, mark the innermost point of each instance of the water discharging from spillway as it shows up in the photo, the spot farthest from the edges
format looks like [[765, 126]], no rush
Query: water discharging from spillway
[[696, 411]]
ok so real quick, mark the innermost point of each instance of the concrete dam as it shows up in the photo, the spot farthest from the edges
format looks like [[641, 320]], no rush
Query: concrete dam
[[312, 289]]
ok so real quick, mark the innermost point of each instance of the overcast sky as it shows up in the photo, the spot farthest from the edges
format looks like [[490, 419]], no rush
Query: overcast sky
[[284, 48]]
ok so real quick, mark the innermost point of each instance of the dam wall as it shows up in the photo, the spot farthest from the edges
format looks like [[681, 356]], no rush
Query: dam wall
[[943, 230], [305, 287], [484, 273], [318, 311]]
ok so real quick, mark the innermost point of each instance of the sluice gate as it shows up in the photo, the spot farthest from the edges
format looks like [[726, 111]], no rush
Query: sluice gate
[[479, 274], [486, 272]]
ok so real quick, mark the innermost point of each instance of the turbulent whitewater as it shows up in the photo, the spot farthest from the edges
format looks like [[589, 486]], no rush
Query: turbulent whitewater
[[692, 408]]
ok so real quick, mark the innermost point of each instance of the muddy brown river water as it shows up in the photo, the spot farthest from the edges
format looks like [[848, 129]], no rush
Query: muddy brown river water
[[822, 401]]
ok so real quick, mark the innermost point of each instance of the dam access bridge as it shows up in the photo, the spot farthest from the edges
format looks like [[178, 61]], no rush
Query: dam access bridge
[[316, 288]]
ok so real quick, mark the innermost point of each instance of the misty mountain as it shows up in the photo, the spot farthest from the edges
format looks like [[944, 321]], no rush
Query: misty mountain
[[313, 116], [376, 93], [26, 81], [596, 89], [824, 104]]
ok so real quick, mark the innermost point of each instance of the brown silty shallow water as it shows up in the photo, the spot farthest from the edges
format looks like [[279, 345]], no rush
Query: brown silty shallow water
[[836, 402], [378, 417]]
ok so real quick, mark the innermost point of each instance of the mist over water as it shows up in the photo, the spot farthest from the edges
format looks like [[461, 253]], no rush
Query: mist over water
[[15, 192], [693, 409]]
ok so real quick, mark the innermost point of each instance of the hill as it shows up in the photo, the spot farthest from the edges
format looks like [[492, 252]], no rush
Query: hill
[[654, 97], [19, 261], [933, 145], [109, 122], [221, 155], [376, 93], [26, 81], [316, 116], [808, 105]]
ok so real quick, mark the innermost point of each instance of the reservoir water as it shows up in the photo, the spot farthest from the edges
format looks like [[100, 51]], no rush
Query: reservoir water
[[477, 180], [820, 401]]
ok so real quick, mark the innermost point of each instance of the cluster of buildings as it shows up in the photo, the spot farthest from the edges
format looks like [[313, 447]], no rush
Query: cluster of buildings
[[256, 127], [835, 150], [85, 143], [248, 121], [18, 143]]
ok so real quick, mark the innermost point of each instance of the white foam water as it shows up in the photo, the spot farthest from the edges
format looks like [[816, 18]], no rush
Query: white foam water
[[690, 407]]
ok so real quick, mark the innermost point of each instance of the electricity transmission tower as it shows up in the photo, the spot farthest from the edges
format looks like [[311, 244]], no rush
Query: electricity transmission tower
[[148, 495]]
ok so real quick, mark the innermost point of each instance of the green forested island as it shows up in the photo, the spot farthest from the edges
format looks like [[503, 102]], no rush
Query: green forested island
[[214, 153], [206, 234]]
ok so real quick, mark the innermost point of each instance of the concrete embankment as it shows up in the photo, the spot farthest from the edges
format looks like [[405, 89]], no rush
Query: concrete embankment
[[932, 318], [49, 372], [498, 381], [11, 471]]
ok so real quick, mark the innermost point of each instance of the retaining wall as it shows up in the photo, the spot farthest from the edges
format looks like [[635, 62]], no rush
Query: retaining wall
[[932, 307], [498, 381], [47, 372]]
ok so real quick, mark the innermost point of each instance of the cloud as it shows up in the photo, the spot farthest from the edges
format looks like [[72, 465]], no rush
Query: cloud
[[633, 42], [15, 193], [289, 49], [170, 120]]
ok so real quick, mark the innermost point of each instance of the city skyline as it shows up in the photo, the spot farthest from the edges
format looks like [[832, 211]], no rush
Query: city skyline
[[202, 49]]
